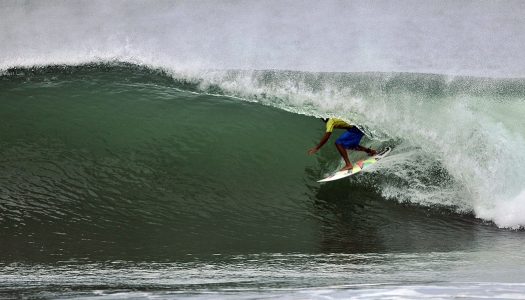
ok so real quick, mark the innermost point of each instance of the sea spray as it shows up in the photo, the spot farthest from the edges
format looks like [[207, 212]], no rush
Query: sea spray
[[477, 39]]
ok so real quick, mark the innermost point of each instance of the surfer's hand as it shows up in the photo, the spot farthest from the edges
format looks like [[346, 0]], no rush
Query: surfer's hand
[[313, 150]]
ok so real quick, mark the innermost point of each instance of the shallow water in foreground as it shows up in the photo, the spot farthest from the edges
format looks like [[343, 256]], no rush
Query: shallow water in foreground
[[312, 276]]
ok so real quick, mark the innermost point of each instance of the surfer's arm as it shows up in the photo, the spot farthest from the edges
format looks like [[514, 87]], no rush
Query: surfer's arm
[[323, 141]]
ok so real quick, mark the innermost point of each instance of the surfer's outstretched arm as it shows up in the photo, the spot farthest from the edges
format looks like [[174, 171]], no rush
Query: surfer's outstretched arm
[[323, 141]]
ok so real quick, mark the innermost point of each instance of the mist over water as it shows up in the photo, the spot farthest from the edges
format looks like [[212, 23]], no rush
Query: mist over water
[[482, 38]]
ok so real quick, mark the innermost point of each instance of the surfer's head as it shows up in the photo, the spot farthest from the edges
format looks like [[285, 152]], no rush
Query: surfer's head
[[324, 119]]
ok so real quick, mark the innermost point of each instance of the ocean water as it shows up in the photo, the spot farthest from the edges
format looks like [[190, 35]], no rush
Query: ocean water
[[147, 152]]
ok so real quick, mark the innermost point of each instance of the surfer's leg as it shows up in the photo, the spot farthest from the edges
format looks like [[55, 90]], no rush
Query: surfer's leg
[[347, 140], [352, 142], [370, 151], [344, 154]]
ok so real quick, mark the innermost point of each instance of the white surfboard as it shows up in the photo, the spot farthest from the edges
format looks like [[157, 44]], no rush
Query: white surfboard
[[358, 166]]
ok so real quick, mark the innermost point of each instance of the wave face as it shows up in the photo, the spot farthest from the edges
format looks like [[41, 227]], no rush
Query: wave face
[[481, 38], [458, 140], [108, 153]]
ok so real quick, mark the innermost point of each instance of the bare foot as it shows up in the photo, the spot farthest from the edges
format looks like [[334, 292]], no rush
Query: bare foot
[[371, 152], [347, 167]]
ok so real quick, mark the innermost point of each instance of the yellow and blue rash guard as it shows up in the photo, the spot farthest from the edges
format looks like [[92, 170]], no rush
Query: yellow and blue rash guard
[[336, 123], [351, 138]]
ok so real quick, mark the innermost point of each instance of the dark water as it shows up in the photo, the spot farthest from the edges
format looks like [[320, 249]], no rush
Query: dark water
[[117, 181]]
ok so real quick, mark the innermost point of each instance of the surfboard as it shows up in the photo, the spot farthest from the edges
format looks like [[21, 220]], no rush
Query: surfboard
[[358, 166]]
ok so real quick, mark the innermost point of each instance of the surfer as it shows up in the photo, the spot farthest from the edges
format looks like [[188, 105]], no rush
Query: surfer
[[348, 140]]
